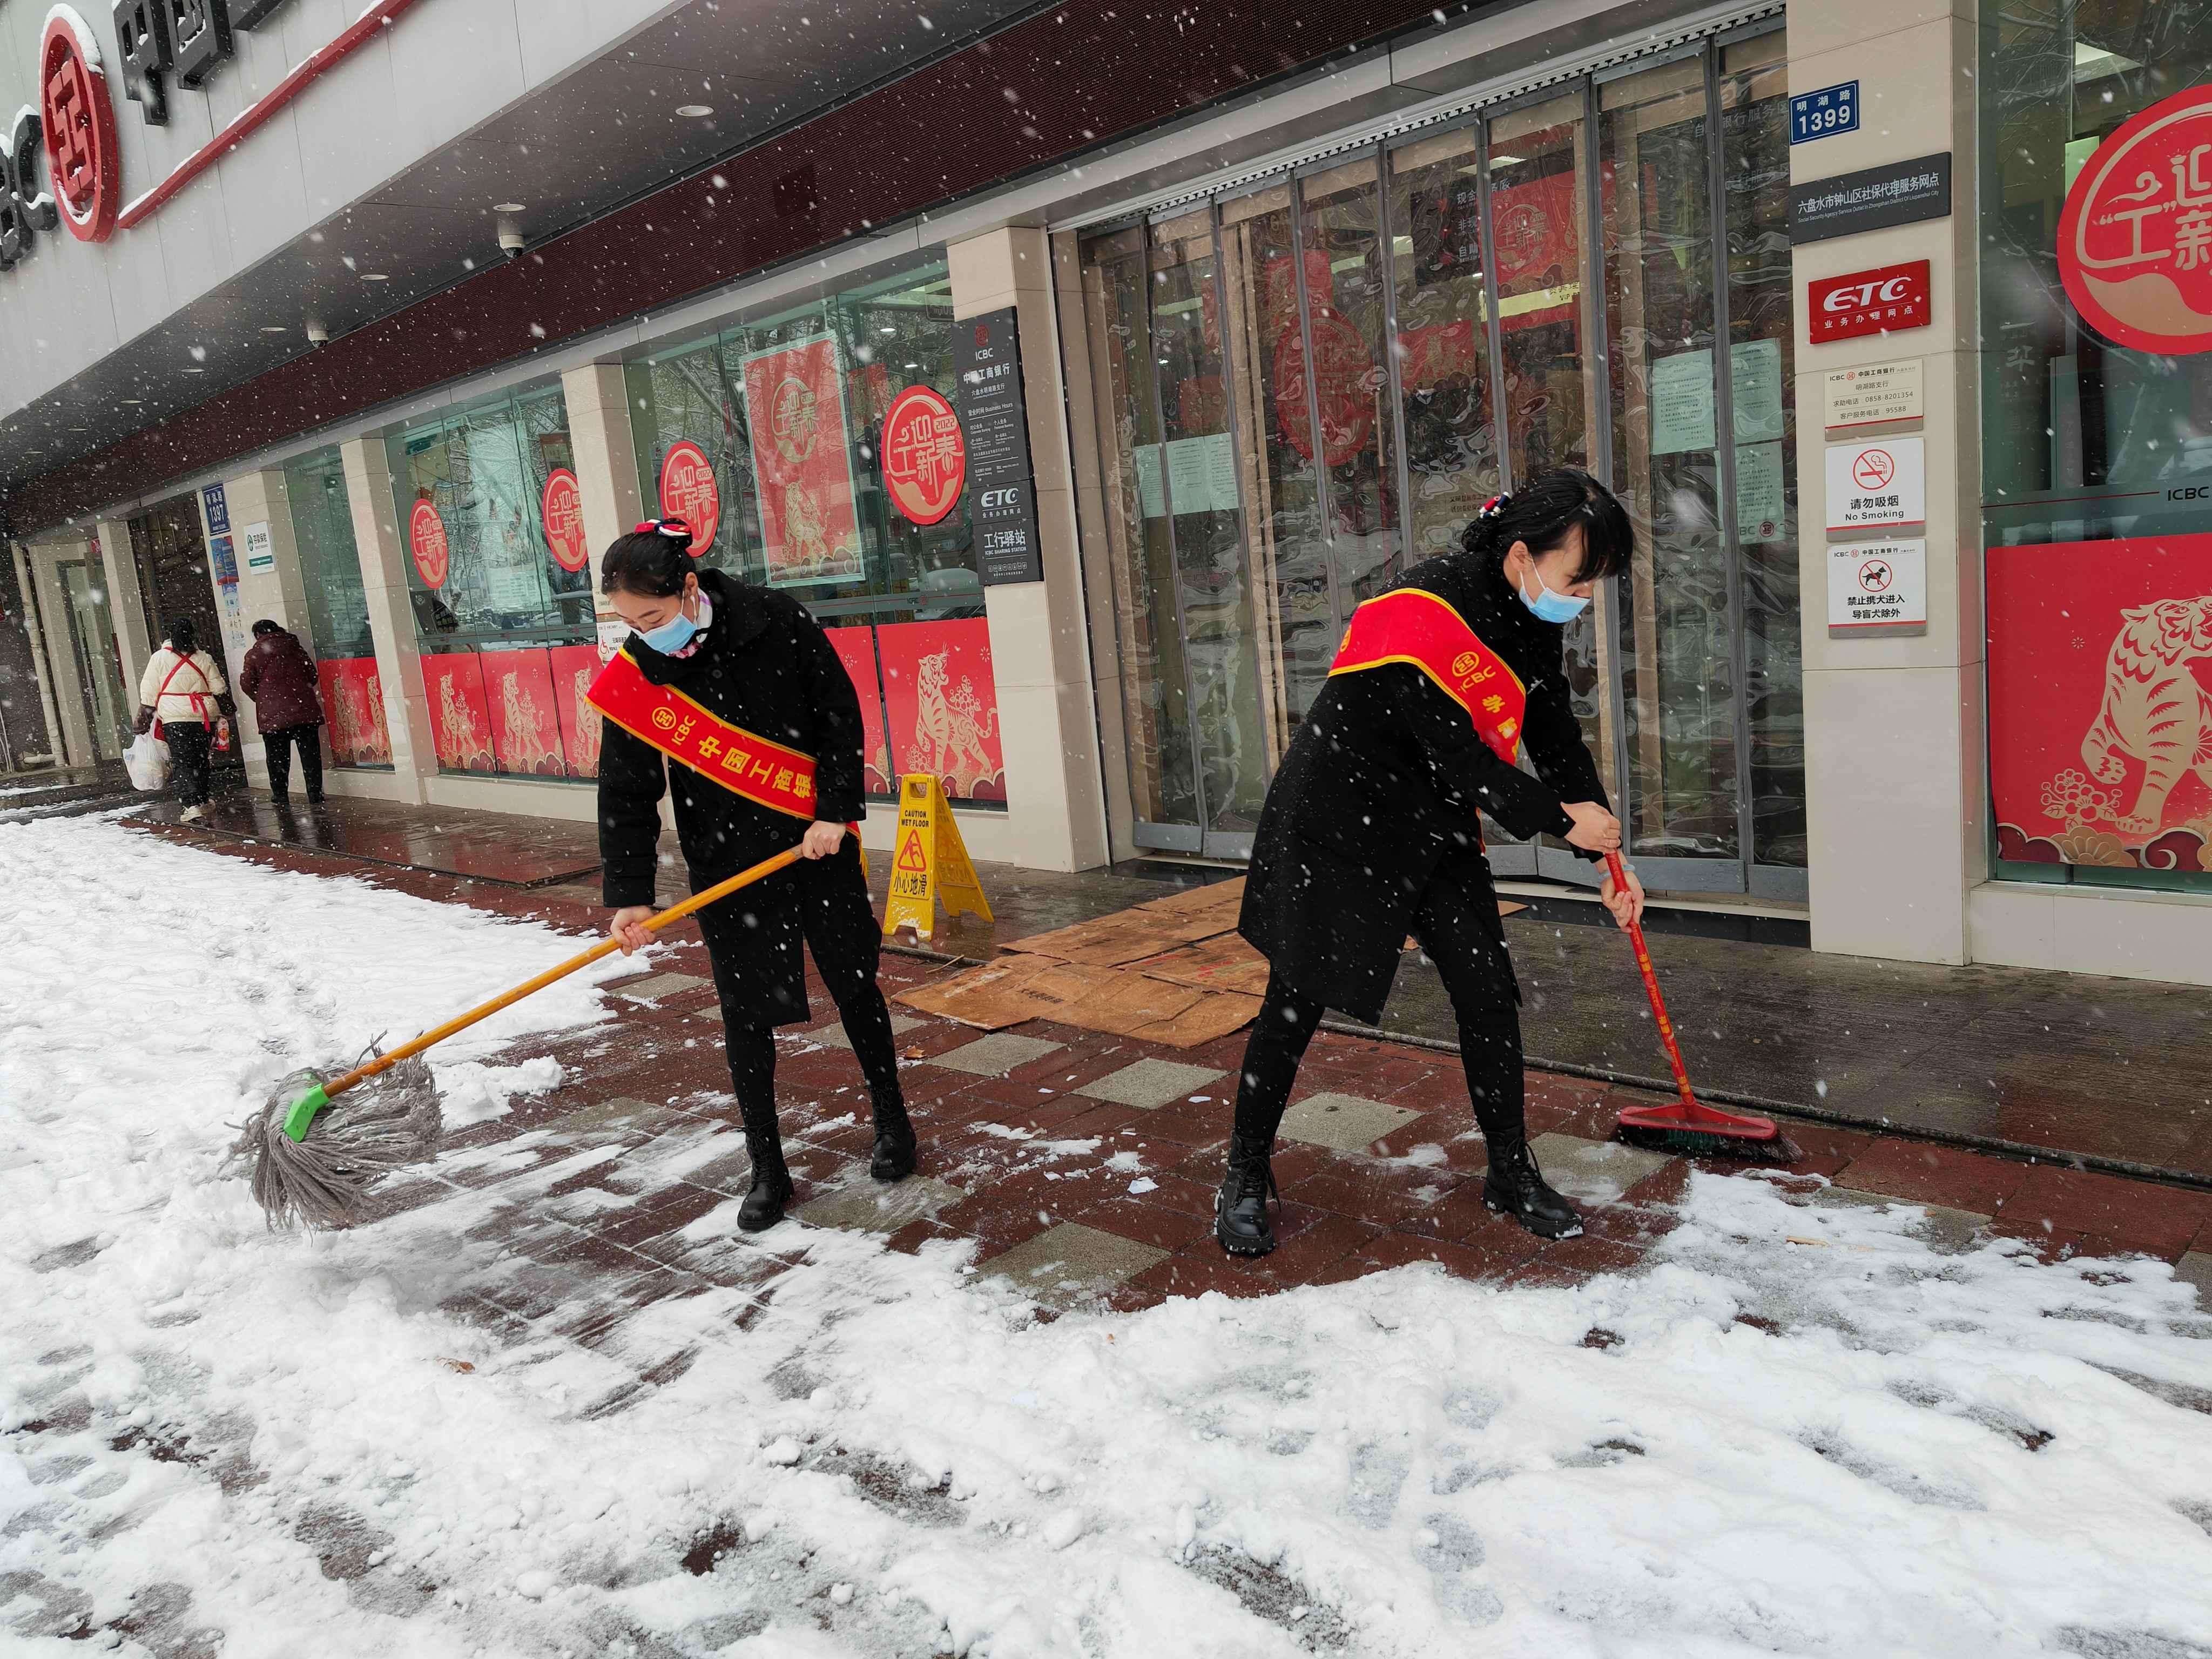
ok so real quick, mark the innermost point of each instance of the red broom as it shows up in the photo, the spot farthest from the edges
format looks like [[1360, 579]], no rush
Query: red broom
[[1688, 1125]]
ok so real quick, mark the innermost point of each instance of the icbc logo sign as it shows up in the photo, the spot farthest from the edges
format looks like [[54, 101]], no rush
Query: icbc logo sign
[[1869, 302], [2135, 242], [72, 132]]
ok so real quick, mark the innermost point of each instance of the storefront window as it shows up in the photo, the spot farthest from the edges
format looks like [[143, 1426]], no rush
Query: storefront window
[[338, 609], [503, 610], [766, 438], [2096, 201]]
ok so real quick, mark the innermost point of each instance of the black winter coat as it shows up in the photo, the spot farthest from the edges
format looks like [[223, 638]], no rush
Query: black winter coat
[[1381, 786], [766, 666]]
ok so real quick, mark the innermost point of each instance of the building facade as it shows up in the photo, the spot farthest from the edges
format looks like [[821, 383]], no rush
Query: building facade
[[1083, 407]]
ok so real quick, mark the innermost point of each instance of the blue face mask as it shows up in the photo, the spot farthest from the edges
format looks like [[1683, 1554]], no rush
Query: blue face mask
[[1551, 607], [677, 632]]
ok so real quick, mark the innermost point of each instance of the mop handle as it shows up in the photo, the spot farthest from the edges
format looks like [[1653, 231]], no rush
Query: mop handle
[[674, 913], [1619, 874]]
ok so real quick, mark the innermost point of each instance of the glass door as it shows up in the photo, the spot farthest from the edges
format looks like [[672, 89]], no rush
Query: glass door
[[107, 712]]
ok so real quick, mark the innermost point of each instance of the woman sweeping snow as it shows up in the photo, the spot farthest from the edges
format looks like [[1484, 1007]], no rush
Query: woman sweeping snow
[[1369, 830], [743, 689]]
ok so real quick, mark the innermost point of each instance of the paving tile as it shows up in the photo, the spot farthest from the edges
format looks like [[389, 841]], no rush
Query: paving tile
[[1928, 1174], [1397, 1249], [1345, 1122], [2160, 1221], [1172, 1231], [1150, 1082], [1591, 1254], [2195, 1267], [868, 1205], [995, 1054], [1196, 1273], [1069, 1264], [832, 1035], [1593, 1171], [654, 986], [1309, 1242], [620, 1119], [1949, 1230]]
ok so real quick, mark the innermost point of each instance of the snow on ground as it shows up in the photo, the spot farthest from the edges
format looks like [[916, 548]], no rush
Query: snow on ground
[[213, 1439]]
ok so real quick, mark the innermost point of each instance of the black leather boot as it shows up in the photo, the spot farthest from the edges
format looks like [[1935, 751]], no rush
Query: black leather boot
[[771, 1187], [894, 1154], [1240, 1208], [1516, 1187]]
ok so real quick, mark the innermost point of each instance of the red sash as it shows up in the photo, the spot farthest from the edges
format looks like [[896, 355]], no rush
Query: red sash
[[1412, 625], [766, 773]]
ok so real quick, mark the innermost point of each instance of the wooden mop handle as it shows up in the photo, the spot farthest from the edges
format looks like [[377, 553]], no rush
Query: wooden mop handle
[[1619, 874], [674, 913]]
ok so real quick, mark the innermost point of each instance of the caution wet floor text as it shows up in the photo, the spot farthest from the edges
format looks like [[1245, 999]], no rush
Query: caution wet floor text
[[929, 863]]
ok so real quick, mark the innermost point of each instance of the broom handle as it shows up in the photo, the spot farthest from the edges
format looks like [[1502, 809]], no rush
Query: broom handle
[[674, 913], [1619, 874]]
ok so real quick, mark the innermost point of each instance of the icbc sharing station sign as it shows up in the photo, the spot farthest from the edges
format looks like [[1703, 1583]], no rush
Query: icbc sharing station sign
[[925, 458], [2135, 241]]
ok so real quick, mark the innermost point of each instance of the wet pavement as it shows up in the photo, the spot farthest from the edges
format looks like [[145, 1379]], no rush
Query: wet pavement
[[2108, 1074]]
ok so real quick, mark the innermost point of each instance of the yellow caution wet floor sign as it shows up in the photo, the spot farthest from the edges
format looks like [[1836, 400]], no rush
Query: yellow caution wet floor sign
[[929, 862]]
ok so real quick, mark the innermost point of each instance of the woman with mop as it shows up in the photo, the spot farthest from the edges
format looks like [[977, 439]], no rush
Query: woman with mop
[[742, 691], [1370, 831]]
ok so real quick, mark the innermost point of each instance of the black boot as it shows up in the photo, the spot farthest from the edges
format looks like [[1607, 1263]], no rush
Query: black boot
[[895, 1150], [1516, 1187], [1240, 1208], [771, 1187]]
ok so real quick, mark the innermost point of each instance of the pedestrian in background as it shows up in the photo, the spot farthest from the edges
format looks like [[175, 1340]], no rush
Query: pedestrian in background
[[279, 675], [183, 692]]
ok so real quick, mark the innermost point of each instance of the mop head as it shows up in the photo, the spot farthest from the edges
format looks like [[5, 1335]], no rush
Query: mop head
[[322, 1181]]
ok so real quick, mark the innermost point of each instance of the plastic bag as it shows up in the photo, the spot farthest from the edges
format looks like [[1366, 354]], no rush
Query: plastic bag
[[147, 761]]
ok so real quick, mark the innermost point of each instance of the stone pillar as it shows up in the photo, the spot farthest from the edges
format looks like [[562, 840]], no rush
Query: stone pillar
[[1894, 726], [36, 633], [259, 505], [606, 460], [1039, 642], [383, 552]]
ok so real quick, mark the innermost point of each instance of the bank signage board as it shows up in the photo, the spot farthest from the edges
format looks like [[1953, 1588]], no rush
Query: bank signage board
[[1874, 394], [2134, 239], [1880, 484], [1874, 199], [1001, 480], [260, 550], [1883, 301]]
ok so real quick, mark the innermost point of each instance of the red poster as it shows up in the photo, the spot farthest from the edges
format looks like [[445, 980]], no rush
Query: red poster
[[925, 458], [1346, 385], [426, 539], [573, 667], [2100, 703], [526, 724], [353, 704], [1538, 252], [795, 403], [1880, 301], [2135, 241], [688, 491], [856, 646], [460, 717], [562, 510], [943, 704]]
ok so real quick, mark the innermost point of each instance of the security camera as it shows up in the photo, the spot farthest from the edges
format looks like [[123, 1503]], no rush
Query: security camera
[[511, 242], [317, 334]]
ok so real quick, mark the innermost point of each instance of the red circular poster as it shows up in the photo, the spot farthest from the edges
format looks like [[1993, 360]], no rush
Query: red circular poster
[[426, 539], [689, 492], [562, 508], [82, 156], [925, 458], [2134, 243], [1343, 370]]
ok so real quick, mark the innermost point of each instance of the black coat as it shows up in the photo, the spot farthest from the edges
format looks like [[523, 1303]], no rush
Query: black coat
[[1381, 786], [766, 666]]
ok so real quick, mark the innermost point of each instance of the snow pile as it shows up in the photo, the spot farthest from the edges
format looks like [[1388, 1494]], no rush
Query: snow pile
[[1804, 1429]]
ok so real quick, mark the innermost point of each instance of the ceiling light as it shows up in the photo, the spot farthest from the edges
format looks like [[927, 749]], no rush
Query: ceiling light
[[195, 371], [696, 112], [374, 277], [273, 328], [886, 329], [507, 207], [132, 403]]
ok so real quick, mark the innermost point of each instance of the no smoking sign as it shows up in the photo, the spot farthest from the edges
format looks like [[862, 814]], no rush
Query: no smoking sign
[[1882, 481]]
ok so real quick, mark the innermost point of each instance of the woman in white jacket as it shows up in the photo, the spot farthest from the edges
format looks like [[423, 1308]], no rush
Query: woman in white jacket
[[184, 688]]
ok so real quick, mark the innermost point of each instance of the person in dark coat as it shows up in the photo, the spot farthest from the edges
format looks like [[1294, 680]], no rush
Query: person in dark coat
[[279, 675], [1370, 831], [754, 658]]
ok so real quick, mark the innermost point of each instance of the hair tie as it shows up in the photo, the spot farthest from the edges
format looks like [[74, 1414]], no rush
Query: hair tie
[[1495, 505], [674, 529]]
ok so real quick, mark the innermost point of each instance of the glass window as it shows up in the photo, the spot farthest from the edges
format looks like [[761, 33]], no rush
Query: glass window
[[338, 609], [766, 438], [2096, 227], [503, 623]]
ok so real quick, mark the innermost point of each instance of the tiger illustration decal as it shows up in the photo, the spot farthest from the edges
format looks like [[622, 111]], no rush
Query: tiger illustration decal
[[2155, 711]]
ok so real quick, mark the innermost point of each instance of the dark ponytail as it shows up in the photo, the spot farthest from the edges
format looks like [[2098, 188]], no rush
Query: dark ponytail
[[1543, 512], [651, 561]]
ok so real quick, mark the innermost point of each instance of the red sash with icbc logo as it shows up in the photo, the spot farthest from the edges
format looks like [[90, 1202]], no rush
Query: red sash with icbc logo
[[766, 773], [1412, 625]]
